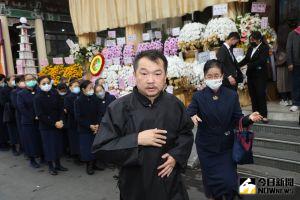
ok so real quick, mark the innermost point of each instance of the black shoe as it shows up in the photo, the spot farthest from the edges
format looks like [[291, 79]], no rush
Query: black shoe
[[34, 164], [99, 166], [61, 168], [53, 172], [16, 153], [89, 169]]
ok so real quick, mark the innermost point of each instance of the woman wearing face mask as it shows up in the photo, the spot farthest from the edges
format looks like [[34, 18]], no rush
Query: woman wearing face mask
[[9, 115], [29, 124], [88, 116], [62, 90], [256, 63], [104, 96], [73, 135], [50, 124], [216, 111]]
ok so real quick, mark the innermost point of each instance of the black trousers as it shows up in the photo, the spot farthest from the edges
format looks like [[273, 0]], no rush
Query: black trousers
[[257, 87]]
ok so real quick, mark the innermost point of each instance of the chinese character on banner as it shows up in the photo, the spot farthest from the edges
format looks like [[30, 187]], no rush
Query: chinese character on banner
[[220, 9], [258, 7], [112, 34], [58, 61], [69, 60], [264, 22]]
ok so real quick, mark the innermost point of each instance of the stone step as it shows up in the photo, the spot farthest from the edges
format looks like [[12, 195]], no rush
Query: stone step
[[277, 127], [282, 159], [277, 141]]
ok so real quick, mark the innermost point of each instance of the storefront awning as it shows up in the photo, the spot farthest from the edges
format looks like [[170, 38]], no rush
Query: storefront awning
[[97, 15]]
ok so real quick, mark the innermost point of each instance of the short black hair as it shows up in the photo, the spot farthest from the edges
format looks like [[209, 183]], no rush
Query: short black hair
[[42, 78], [84, 84], [97, 81], [256, 35], [2, 76], [153, 55], [212, 64], [62, 86], [234, 35], [19, 78], [73, 80]]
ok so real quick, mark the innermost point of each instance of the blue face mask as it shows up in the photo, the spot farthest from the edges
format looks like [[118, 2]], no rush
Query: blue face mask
[[31, 84], [76, 90]]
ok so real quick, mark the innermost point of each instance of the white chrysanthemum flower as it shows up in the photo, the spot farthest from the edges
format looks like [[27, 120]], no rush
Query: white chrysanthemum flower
[[191, 32], [221, 27]]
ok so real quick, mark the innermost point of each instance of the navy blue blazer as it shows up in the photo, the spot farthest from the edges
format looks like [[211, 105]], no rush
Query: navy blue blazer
[[26, 107], [87, 112], [48, 110], [69, 106], [219, 113]]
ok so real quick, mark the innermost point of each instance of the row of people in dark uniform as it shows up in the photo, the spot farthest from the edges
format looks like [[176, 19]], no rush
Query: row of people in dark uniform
[[45, 122]]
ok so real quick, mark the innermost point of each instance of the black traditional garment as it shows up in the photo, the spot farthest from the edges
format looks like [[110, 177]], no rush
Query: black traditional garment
[[117, 142]]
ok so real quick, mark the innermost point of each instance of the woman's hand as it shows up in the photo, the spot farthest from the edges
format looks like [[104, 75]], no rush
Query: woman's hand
[[196, 119], [255, 117]]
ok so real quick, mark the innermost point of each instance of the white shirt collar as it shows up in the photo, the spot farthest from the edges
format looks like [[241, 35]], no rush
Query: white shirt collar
[[228, 47]]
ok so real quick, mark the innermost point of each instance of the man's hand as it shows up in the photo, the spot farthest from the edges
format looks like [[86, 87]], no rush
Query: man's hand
[[59, 124], [168, 166], [196, 119], [231, 80], [152, 137], [291, 67]]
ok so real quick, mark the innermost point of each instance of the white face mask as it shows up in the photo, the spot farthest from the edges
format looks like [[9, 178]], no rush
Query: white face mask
[[46, 87], [90, 93], [101, 95], [214, 84]]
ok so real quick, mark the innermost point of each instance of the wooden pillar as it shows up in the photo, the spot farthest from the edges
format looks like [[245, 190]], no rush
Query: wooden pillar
[[137, 30], [40, 40], [86, 39], [8, 54]]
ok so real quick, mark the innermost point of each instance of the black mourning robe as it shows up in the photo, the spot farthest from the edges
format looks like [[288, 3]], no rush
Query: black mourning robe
[[117, 143]]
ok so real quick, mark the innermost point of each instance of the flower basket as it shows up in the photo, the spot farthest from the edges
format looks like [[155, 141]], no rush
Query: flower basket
[[190, 56]]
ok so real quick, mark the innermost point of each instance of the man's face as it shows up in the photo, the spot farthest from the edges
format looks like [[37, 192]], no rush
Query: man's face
[[150, 77]]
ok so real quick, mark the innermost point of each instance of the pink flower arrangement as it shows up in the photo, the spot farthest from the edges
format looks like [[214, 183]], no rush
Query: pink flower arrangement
[[128, 51], [171, 46], [154, 45], [112, 52]]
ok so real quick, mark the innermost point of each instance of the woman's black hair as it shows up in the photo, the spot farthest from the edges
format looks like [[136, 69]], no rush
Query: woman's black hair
[[62, 86], [72, 81], [2, 76], [19, 78], [42, 78], [84, 84], [99, 85], [212, 64]]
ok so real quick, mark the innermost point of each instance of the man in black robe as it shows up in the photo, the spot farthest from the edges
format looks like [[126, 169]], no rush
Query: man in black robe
[[148, 134]]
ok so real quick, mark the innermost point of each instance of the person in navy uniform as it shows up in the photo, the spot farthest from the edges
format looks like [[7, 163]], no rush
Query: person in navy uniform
[[256, 63], [20, 84], [62, 90], [9, 115], [88, 116], [216, 111], [4, 146], [29, 124], [105, 97], [71, 123], [48, 111]]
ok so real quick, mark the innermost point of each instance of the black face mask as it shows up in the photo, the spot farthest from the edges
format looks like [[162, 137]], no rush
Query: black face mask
[[253, 44]]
